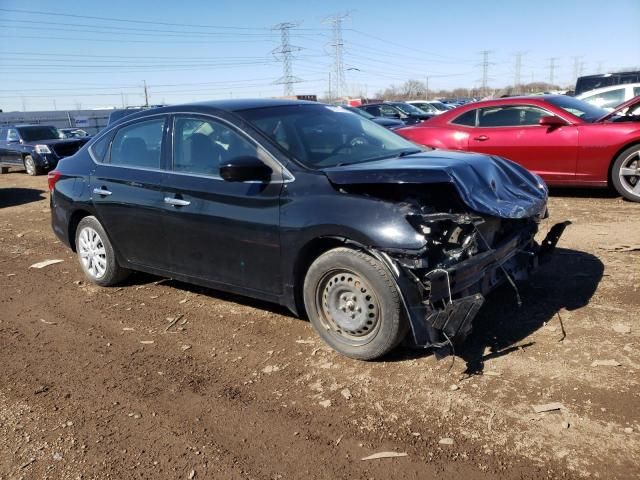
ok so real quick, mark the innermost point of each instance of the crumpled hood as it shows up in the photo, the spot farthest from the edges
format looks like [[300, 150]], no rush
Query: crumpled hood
[[486, 184]]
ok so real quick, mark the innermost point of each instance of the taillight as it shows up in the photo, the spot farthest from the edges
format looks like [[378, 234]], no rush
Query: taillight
[[52, 177]]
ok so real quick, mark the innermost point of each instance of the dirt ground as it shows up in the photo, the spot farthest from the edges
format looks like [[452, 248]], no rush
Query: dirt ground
[[99, 383]]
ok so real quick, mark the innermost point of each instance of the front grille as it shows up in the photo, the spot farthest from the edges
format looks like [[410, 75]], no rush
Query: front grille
[[66, 149]]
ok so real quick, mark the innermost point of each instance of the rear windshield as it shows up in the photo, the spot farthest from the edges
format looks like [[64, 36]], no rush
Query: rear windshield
[[44, 132]]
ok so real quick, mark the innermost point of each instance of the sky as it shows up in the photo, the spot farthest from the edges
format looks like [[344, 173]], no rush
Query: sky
[[68, 54]]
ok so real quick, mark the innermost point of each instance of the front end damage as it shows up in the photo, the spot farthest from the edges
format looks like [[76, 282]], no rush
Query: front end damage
[[444, 285], [476, 216]]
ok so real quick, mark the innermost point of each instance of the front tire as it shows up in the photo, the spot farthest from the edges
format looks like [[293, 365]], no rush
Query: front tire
[[96, 255], [353, 304], [31, 167], [625, 173]]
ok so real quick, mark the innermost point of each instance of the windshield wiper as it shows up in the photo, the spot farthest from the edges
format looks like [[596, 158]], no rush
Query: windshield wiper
[[408, 152]]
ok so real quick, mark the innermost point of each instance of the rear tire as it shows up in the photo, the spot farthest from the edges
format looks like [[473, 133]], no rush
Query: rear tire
[[31, 167], [96, 255], [353, 304], [625, 173]]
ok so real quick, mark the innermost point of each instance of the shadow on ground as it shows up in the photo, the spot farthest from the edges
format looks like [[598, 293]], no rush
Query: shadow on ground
[[583, 192], [12, 197], [568, 282]]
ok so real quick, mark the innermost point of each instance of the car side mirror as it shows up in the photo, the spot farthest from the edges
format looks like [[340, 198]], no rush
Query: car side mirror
[[245, 168], [551, 121]]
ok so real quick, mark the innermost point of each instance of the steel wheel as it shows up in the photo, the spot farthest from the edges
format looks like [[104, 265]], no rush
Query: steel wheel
[[349, 309], [629, 173], [92, 252], [30, 165]]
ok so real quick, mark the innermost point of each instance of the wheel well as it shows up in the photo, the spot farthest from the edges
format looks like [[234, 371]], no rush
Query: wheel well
[[308, 254], [73, 225], [615, 156]]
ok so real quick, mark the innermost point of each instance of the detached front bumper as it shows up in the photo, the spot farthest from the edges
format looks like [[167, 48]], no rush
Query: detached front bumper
[[442, 303]]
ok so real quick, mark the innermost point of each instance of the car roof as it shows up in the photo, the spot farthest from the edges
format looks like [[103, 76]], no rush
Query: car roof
[[515, 99], [21, 125], [595, 91], [238, 104]]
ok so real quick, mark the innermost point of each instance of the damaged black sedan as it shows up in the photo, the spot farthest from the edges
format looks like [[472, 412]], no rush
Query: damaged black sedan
[[306, 205]]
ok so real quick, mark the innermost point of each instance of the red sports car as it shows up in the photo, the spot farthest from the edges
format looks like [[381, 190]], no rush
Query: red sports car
[[564, 140]]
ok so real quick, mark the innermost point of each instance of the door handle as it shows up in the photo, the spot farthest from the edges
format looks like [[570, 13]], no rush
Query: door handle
[[176, 202], [481, 138], [101, 191]]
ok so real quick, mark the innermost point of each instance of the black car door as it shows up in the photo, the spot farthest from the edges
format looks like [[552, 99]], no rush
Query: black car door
[[3, 143], [127, 191], [223, 232]]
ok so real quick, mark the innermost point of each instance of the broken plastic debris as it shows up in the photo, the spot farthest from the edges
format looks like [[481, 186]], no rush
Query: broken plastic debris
[[146, 342], [46, 263], [375, 456], [547, 407], [605, 363]]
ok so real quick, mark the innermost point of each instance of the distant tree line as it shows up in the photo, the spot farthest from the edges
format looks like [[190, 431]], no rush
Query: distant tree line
[[415, 89]]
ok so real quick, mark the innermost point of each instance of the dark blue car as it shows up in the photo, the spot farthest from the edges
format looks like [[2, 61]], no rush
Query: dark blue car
[[305, 205], [37, 148]]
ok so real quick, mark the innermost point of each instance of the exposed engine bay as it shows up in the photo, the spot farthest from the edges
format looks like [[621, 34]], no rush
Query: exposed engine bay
[[466, 255]]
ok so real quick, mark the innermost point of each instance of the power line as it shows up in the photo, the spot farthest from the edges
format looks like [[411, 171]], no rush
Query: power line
[[337, 44]]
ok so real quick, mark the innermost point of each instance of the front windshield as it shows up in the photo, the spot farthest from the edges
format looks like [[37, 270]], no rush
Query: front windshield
[[424, 106], [408, 109], [321, 136], [33, 134], [581, 109]]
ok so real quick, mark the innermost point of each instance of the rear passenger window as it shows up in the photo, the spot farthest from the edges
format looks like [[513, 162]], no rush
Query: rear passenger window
[[138, 145], [468, 119]]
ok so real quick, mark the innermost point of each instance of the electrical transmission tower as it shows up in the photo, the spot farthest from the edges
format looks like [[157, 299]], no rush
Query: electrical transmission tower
[[552, 69], [517, 77], [578, 65], [484, 82], [284, 53], [337, 46]]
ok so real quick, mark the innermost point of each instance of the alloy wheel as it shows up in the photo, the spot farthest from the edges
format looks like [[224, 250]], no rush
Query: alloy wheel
[[629, 173], [92, 252]]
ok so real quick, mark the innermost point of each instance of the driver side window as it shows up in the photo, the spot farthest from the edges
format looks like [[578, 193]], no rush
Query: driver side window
[[201, 145], [12, 135]]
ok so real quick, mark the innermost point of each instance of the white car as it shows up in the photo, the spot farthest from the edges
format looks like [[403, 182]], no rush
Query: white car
[[433, 107], [611, 97]]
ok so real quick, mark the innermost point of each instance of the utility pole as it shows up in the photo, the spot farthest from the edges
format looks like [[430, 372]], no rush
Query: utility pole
[[122, 98], [485, 71], [55, 107], [552, 69], [600, 66], [330, 95], [517, 76], [146, 94], [337, 45], [284, 53], [426, 90]]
